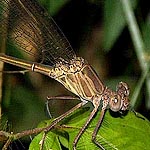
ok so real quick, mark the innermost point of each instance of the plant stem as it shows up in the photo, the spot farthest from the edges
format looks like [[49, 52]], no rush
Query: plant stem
[[138, 88], [137, 42], [135, 32]]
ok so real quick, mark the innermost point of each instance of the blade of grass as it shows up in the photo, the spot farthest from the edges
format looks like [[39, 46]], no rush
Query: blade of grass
[[138, 88], [137, 41], [135, 32]]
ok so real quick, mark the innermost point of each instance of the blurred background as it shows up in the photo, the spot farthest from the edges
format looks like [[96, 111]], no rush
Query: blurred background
[[98, 31]]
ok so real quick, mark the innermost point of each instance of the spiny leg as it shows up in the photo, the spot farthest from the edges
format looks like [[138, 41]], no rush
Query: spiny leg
[[96, 129], [62, 97], [84, 127], [49, 98], [57, 120]]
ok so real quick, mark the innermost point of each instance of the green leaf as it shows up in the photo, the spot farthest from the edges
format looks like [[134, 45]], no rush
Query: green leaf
[[126, 132], [52, 139], [51, 142]]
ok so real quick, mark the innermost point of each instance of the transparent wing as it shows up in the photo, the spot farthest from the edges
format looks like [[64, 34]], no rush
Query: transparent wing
[[33, 31]]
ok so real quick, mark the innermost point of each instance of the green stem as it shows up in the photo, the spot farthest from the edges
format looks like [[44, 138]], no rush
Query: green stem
[[138, 44], [138, 88], [135, 32]]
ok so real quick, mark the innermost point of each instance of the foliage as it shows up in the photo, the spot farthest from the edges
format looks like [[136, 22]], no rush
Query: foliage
[[115, 132]]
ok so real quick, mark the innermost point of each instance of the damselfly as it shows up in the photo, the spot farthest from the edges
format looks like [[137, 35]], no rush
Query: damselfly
[[27, 24]]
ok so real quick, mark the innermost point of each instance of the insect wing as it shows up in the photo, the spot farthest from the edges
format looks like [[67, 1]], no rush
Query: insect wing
[[34, 31]]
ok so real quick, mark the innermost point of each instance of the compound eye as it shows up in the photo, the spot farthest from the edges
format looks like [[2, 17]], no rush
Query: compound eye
[[115, 103], [123, 89], [125, 104]]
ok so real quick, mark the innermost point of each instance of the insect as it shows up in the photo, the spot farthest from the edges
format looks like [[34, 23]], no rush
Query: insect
[[32, 30]]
